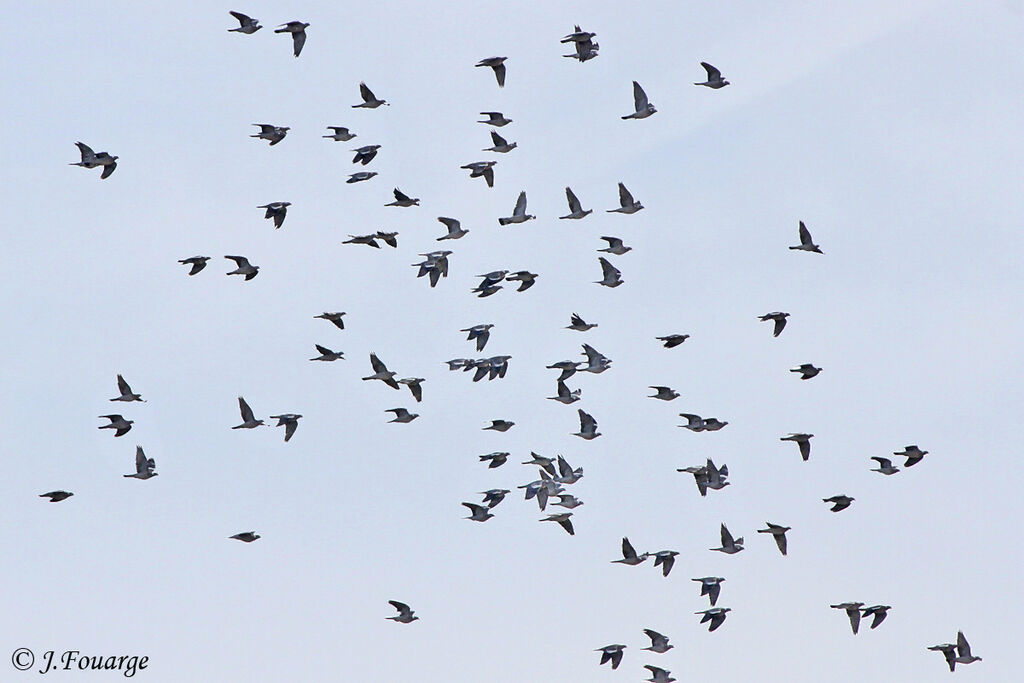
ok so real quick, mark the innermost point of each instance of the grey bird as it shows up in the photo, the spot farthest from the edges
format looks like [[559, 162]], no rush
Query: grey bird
[[778, 532], [666, 558], [716, 615], [143, 466], [120, 425], [629, 555], [341, 134], [597, 362], [370, 100], [948, 650], [481, 333], [243, 267], [564, 395], [563, 519], [402, 415], [360, 177], [612, 276], [498, 64], [963, 650], [578, 36], [806, 243], [56, 496], [496, 459], [388, 238], [290, 422], [575, 209], [579, 324], [804, 443], [482, 169], [566, 474], [478, 513], [615, 246], [714, 79], [658, 675], [878, 613], [695, 423], [274, 134], [611, 653], [664, 393], [403, 200], [730, 546], [247, 24], [710, 586], [626, 202], [640, 103], [659, 643], [778, 317], [368, 240], [127, 395], [493, 497], [500, 425], [714, 478], [586, 48], [495, 118], [543, 461], [913, 454], [569, 501], [519, 214], [524, 277], [885, 466], [455, 230], [298, 31], [673, 340], [365, 154], [91, 159], [839, 502], [485, 290], [334, 318], [246, 536], [197, 263], [567, 367], [415, 386], [277, 211], [249, 421], [501, 145], [852, 610], [381, 372], [806, 370], [405, 615], [588, 427]]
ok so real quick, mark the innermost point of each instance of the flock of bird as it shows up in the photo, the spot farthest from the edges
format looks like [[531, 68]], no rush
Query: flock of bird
[[554, 474]]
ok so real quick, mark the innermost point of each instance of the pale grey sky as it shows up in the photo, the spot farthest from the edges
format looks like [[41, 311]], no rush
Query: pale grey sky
[[893, 132]]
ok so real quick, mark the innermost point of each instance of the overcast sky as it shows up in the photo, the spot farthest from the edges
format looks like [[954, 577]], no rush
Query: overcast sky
[[894, 132]]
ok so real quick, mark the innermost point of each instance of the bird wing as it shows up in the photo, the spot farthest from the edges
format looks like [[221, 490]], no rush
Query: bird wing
[[417, 391], [240, 261], [588, 424], [713, 73], [639, 97], [805, 448], [86, 150], [520, 209], [608, 270], [713, 591], [141, 462], [366, 93], [780, 324], [400, 196], [488, 174], [123, 387], [780, 540], [289, 428], [727, 540], [565, 523], [450, 223], [242, 19], [377, 365], [298, 40], [574, 203], [884, 463], [625, 198], [963, 648], [495, 138], [401, 606], [108, 169], [245, 410], [627, 548], [805, 234], [564, 469], [499, 73]]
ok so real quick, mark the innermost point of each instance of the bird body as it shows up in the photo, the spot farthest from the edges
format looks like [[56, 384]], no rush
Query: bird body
[[197, 263], [277, 211], [249, 420], [273, 134], [247, 25], [714, 79], [629, 555], [298, 31], [519, 214], [778, 317], [91, 159], [405, 615], [806, 243], [143, 466], [290, 422], [120, 425], [778, 532], [370, 100], [243, 267], [498, 64], [626, 202]]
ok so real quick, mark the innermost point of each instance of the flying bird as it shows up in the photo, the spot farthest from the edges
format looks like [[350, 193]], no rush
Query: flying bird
[[806, 370], [716, 615], [270, 132], [626, 202], [714, 79], [729, 545], [804, 443], [640, 103], [381, 372], [778, 317], [579, 324], [659, 643], [197, 263], [298, 31], [778, 532], [277, 211], [884, 466], [370, 101], [806, 243], [963, 650], [249, 421], [611, 653], [246, 536], [143, 466], [519, 214], [673, 340], [247, 25], [612, 275], [388, 238], [56, 496], [658, 675], [839, 503], [498, 64], [481, 333], [524, 277], [664, 393], [126, 392], [575, 209], [341, 134], [877, 612], [501, 145], [454, 227], [478, 513], [852, 610], [495, 118], [405, 615], [243, 267], [496, 459], [588, 427], [334, 318], [493, 497], [290, 422], [629, 555], [365, 154], [482, 169], [615, 246], [597, 362], [403, 200], [415, 386], [563, 520], [666, 558], [360, 177], [120, 425], [500, 425], [913, 454], [564, 395], [710, 586], [586, 48], [91, 159], [402, 416]]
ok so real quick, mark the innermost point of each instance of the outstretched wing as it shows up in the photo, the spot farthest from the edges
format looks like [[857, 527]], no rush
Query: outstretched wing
[[246, 411], [366, 93], [574, 203], [713, 73], [298, 40], [86, 150], [520, 209], [805, 234], [625, 198], [608, 270], [639, 97]]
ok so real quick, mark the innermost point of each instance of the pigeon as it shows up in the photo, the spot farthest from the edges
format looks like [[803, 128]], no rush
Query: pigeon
[[524, 277], [963, 650], [403, 200], [640, 103], [611, 653], [715, 79], [695, 423], [277, 211], [729, 546], [673, 340], [853, 611], [566, 474], [913, 454], [839, 502], [806, 370], [664, 393], [91, 159], [710, 586], [493, 497], [877, 612], [495, 118], [368, 240], [388, 238], [56, 496], [290, 422], [586, 48], [501, 145], [248, 420], [568, 501], [497, 459], [126, 392], [779, 318], [298, 31], [564, 395], [334, 318], [455, 230], [370, 101], [596, 361], [806, 243], [577, 36], [271, 132], [481, 333], [405, 615], [360, 177], [402, 415], [381, 372], [626, 202], [666, 558], [713, 478], [779, 532], [482, 169], [716, 615], [658, 675], [415, 386], [575, 209], [567, 367], [341, 134], [629, 555], [949, 652], [498, 64], [243, 267], [143, 466], [541, 460], [803, 441], [612, 275], [659, 643], [486, 290], [120, 425], [615, 246], [197, 263], [478, 513], [579, 324], [365, 154], [246, 536], [563, 520], [588, 427], [500, 425], [884, 466], [247, 25], [519, 214]]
